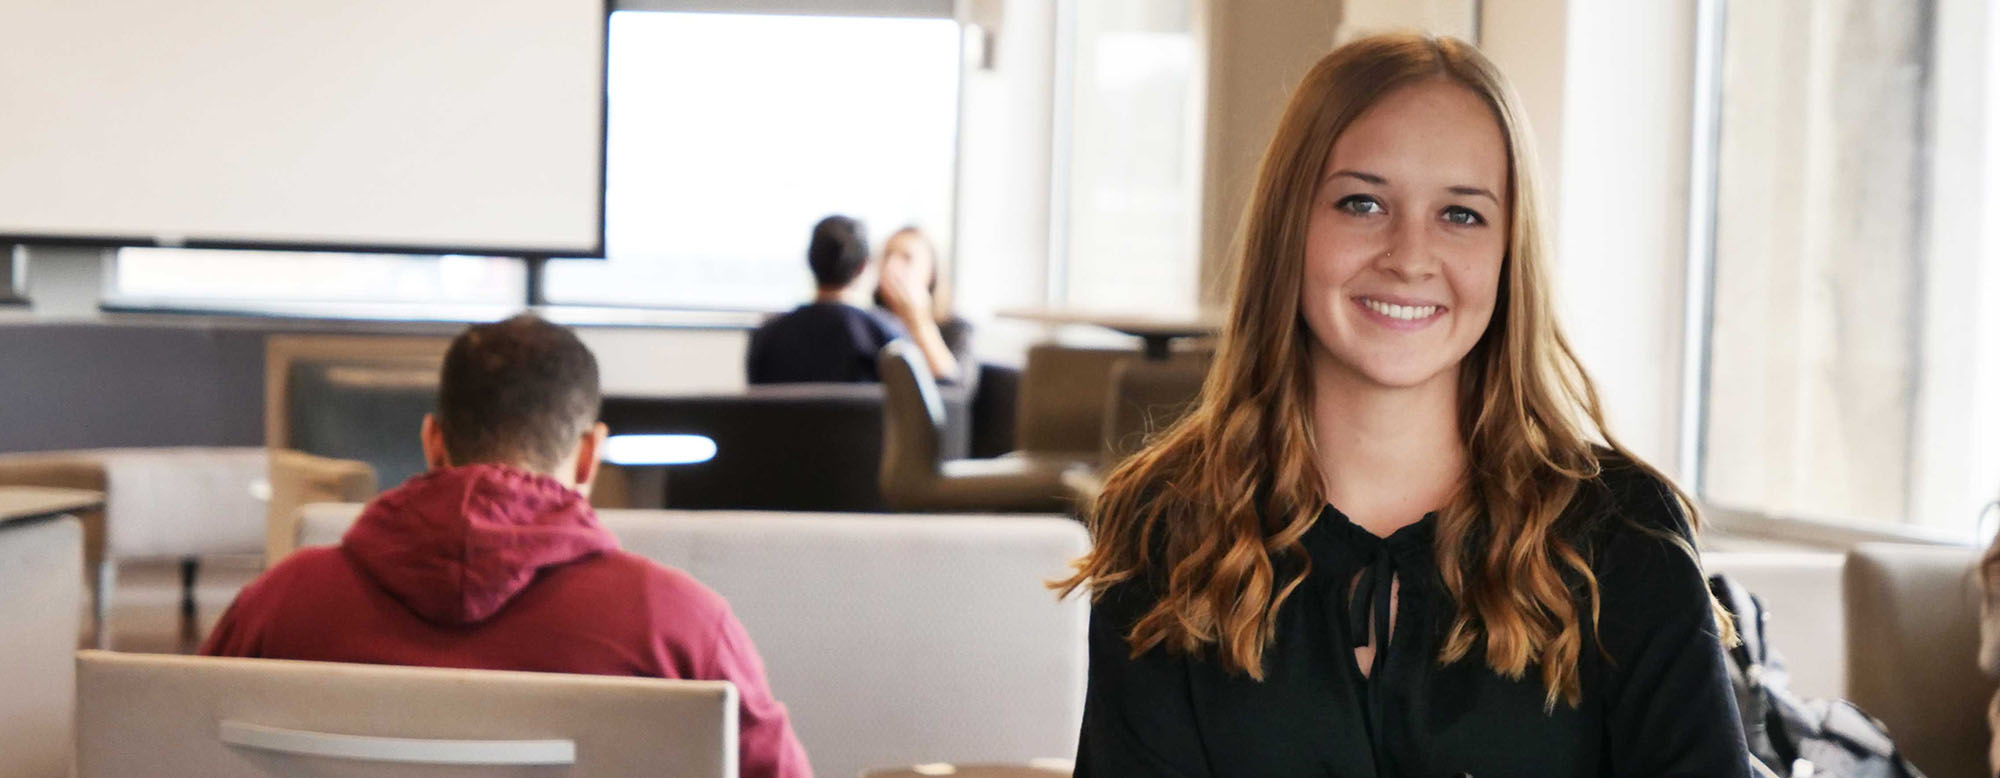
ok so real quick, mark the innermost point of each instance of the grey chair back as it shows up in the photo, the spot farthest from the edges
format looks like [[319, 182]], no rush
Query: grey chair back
[[1912, 652], [156, 714]]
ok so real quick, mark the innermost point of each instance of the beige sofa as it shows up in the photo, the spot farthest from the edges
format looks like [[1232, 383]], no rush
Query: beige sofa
[[1892, 627], [1805, 616], [894, 639]]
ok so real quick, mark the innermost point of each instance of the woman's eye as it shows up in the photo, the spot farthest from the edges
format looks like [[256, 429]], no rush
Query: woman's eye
[[1464, 217], [1359, 205]]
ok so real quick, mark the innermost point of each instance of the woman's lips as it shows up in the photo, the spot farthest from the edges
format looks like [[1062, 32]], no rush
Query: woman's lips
[[1397, 315]]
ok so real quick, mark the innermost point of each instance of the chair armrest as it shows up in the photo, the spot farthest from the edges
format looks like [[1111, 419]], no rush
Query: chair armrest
[[298, 479]]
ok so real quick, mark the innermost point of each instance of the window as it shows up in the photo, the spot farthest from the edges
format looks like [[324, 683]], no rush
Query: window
[[1854, 373], [13, 289], [303, 283], [1129, 186], [732, 134]]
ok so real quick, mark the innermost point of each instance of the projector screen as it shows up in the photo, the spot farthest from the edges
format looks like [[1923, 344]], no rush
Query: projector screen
[[447, 126]]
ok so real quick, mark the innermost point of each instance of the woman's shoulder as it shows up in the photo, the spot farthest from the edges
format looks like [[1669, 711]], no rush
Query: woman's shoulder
[[1627, 496], [1630, 524]]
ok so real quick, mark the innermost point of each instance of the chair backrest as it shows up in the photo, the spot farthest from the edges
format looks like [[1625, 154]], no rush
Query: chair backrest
[[912, 419], [352, 397], [1056, 769], [1912, 650], [41, 597], [1062, 399], [152, 714], [894, 640], [812, 447], [299, 479], [1147, 396], [183, 501], [1805, 621], [996, 399]]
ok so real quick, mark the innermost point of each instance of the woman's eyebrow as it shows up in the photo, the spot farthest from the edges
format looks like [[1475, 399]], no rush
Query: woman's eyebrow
[[1358, 175], [1473, 191], [1371, 178]]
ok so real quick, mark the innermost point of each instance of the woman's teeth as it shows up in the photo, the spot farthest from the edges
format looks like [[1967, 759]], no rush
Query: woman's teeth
[[1404, 312]]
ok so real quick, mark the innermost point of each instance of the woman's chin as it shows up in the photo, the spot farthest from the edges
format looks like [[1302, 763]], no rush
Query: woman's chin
[[1400, 375], [1376, 366]]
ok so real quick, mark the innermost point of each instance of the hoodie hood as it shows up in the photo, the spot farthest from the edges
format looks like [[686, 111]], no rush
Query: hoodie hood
[[455, 545]]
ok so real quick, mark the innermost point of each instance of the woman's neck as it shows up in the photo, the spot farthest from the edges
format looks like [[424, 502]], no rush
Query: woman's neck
[[1387, 455]]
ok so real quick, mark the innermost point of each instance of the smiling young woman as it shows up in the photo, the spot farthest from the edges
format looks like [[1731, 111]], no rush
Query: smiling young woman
[[1502, 589]]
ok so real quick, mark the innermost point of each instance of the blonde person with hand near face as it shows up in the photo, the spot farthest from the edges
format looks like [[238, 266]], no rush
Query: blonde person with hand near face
[[1394, 538], [909, 291]]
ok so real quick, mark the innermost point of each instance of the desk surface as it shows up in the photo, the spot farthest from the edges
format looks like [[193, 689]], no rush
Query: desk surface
[[1141, 324], [20, 503]]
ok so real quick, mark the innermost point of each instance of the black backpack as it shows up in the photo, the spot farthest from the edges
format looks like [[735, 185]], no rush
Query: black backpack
[[1838, 739]]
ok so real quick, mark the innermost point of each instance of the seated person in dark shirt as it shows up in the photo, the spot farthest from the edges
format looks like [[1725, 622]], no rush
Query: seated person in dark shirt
[[830, 339]]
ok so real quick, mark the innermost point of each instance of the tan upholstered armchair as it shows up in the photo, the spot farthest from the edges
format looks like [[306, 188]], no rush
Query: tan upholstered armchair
[[299, 479], [184, 503], [1146, 397], [916, 477], [1912, 652]]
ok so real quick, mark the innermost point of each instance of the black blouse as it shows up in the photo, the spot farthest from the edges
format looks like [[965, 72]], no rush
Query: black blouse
[[1661, 706]]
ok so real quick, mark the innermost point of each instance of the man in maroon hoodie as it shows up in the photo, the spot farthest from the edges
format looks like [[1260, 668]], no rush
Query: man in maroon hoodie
[[494, 559]]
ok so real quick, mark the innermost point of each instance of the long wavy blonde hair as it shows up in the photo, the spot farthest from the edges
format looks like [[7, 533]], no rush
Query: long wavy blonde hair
[[1209, 506]]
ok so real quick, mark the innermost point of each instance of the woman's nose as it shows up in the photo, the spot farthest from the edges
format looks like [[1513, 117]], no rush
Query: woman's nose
[[1409, 254]]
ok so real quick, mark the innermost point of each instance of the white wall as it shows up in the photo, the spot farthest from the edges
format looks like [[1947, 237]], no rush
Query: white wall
[[1258, 50], [1456, 18], [650, 361], [1006, 128], [1622, 154], [1527, 39]]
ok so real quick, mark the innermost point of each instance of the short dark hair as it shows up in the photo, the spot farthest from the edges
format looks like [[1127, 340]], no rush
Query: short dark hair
[[838, 252], [519, 391]]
